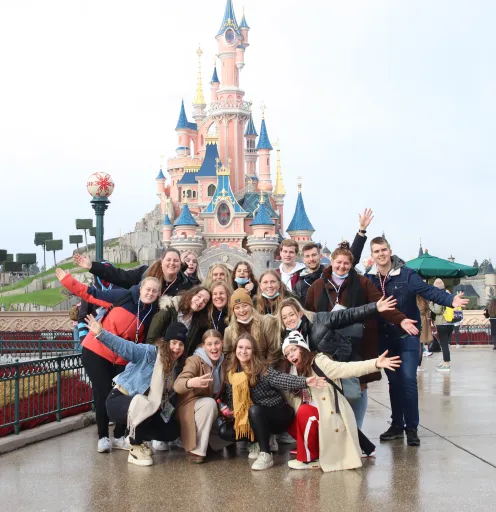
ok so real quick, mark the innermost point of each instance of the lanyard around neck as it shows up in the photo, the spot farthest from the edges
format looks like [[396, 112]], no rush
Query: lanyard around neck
[[138, 323]]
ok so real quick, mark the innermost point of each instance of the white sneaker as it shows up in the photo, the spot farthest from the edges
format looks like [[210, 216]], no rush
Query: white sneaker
[[444, 368], [285, 438], [104, 445], [177, 443], [264, 461], [160, 446], [420, 369], [439, 365], [296, 464], [253, 451], [274, 447], [139, 457], [146, 445], [120, 443], [427, 353], [365, 456]]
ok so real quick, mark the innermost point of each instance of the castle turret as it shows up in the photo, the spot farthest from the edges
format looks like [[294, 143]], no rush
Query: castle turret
[[300, 228], [264, 240], [167, 228], [185, 132], [244, 29], [187, 236], [264, 148], [160, 179], [250, 149], [279, 192], [214, 85], [199, 103]]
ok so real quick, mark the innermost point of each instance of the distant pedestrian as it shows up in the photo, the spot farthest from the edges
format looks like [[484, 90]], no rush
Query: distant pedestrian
[[490, 312]]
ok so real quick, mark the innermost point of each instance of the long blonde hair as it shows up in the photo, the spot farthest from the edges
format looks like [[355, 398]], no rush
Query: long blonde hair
[[208, 280], [234, 326], [263, 304], [211, 306], [257, 365], [297, 307]]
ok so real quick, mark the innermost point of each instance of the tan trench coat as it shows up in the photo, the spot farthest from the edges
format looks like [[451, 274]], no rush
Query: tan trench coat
[[425, 319], [194, 366], [338, 435]]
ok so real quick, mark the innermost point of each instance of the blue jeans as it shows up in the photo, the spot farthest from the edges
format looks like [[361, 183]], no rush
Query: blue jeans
[[403, 391], [360, 408]]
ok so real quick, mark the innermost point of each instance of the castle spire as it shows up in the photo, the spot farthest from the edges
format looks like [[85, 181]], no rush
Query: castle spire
[[243, 23], [279, 188], [229, 20], [300, 221], [199, 98], [263, 141]]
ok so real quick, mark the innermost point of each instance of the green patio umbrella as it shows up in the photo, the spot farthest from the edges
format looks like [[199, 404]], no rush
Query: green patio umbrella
[[431, 266]]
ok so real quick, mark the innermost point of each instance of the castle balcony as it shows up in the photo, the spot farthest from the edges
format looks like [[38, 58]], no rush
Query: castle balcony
[[182, 162], [233, 106]]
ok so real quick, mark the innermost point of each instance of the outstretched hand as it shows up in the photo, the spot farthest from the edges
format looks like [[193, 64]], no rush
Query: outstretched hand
[[389, 363], [316, 382], [81, 260], [365, 218], [408, 325], [200, 382], [94, 326], [61, 274], [459, 301], [386, 304]]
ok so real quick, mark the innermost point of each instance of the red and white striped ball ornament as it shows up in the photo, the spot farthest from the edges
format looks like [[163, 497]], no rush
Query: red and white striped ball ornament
[[100, 184]]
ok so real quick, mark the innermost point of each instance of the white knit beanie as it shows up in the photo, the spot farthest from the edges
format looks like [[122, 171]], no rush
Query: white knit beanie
[[295, 338]]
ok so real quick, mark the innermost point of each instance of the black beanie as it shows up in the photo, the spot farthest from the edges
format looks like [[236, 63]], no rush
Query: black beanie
[[176, 331]]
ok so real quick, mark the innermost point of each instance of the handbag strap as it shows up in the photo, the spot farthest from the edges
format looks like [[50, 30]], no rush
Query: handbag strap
[[336, 388]]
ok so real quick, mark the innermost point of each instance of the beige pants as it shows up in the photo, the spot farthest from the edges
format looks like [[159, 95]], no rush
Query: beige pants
[[206, 413]]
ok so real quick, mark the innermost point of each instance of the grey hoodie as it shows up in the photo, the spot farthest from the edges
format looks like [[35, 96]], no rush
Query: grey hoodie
[[216, 370]]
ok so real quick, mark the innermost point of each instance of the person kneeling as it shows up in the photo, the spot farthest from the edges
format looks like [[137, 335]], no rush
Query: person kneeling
[[198, 385], [325, 427], [151, 370], [253, 392]]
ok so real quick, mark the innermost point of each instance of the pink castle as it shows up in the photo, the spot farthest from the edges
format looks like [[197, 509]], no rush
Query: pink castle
[[219, 199]]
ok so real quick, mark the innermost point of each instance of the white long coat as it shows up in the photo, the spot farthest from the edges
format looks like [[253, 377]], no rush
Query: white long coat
[[338, 436]]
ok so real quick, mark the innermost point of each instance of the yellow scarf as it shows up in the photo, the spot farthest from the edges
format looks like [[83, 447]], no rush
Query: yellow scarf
[[241, 405]]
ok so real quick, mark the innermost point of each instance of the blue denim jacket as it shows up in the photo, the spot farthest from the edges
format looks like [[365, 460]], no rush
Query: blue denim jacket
[[137, 376], [405, 284]]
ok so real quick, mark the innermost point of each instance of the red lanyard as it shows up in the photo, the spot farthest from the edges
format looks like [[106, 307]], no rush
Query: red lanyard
[[383, 283], [138, 324], [165, 291]]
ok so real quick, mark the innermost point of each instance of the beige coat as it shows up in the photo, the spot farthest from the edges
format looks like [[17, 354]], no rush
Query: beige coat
[[194, 366], [425, 318], [338, 435]]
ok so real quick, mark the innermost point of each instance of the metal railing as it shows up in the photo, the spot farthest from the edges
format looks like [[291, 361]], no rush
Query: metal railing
[[473, 335], [42, 390], [36, 335], [12, 351]]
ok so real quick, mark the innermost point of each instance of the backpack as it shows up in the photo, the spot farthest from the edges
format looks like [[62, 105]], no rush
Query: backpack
[[74, 313]]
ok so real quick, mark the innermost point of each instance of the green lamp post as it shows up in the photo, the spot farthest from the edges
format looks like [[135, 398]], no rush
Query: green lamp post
[[100, 186]]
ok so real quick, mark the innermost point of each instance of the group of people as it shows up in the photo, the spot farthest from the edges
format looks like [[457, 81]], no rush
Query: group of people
[[230, 358]]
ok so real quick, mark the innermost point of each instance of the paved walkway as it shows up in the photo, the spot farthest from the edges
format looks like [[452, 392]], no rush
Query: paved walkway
[[453, 470]]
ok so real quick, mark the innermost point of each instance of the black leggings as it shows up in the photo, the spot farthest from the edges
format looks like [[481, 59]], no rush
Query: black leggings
[[444, 332], [153, 427], [101, 373], [264, 421]]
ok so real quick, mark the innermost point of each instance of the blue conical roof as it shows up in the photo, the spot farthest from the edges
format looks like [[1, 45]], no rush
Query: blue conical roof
[[167, 221], [250, 127], [185, 219], [160, 175], [208, 167], [243, 23], [263, 141], [215, 78], [262, 216], [300, 221], [183, 122], [229, 20]]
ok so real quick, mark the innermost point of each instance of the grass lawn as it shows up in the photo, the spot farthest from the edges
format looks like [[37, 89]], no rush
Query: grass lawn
[[49, 297]]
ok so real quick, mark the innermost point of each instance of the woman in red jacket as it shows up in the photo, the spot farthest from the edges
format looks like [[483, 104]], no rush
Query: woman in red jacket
[[128, 315]]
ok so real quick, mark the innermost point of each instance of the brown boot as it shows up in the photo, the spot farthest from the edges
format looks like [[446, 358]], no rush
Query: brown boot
[[195, 459]]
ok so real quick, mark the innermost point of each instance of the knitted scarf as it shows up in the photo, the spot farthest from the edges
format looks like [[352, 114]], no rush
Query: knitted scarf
[[241, 405], [355, 294]]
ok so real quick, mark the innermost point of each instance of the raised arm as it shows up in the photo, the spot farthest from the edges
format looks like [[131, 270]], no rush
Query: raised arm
[[336, 370], [344, 317], [190, 371], [285, 381], [431, 293]]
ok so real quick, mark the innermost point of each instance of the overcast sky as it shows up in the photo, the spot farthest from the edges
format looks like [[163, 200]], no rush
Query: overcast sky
[[386, 104]]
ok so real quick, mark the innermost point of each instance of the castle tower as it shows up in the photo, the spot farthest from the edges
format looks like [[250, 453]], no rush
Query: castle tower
[[187, 236], [186, 133], [264, 240], [229, 110], [279, 192], [166, 231], [160, 179], [264, 148], [214, 85], [250, 150], [300, 228], [199, 103]]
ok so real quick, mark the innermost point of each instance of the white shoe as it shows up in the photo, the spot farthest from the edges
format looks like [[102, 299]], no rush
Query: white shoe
[[420, 369], [444, 368], [427, 353], [138, 456], [285, 438], [439, 365], [296, 464], [104, 445], [160, 446], [177, 443], [365, 456], [253, 451], [120, 443], [274, 447], [264, 461], [147, 445]]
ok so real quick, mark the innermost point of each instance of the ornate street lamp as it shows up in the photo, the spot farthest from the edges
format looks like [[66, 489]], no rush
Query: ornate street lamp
[[100, 186]]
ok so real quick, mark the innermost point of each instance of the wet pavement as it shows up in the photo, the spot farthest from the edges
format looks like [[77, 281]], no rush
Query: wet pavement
[[454, 469]]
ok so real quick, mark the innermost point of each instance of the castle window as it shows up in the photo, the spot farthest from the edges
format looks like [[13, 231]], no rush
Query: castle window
[[223, 214], [194, 194], [211, 190], [188, 193], [268, 161]]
